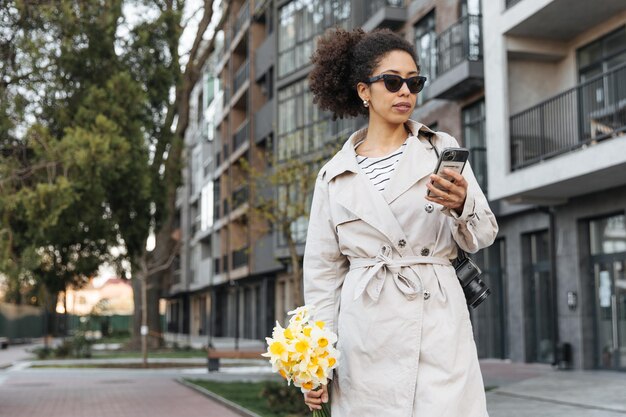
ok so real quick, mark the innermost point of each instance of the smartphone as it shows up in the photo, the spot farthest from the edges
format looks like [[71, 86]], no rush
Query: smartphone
[[451, 158]]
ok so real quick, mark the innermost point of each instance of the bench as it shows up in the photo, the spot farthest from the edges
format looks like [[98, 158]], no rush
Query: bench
[[214, 356]]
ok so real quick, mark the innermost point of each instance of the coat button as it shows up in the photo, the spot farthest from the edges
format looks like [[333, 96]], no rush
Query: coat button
[[426, 295], [429, 207], [425, 252], [402, 243]]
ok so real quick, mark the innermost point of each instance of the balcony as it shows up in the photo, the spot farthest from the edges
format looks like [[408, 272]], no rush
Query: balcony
[[265, 56], [569, 145], [225, 207], [264, 121], [588, 113], [545, 19], [241, 136], [240, 196], [241, 76], [225, 152], [240, 258], [459, 61], [243, 17], [384, 14], [511, 3]]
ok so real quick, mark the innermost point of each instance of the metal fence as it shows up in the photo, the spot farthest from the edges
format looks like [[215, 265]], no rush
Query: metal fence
[[375, 5], [240, 257], [243, 73], [242, 135], [460, 42], [591, 111], [242, 18]]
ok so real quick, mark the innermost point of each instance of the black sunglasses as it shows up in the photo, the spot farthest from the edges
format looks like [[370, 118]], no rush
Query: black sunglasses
[[394, 83]]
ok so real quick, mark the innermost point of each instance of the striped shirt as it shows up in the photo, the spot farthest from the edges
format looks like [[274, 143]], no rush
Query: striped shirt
[[379, 169]]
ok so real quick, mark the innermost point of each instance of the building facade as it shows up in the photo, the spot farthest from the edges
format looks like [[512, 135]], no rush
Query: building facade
[[540, 102], [556, 114]]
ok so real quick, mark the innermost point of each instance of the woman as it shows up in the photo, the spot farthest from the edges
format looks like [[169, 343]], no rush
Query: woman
[[376, 261]]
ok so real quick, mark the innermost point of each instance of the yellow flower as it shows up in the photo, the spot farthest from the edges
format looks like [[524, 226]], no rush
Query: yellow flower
[[302, 346]]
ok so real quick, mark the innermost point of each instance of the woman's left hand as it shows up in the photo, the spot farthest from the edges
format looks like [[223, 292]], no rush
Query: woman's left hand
[[453, 194]]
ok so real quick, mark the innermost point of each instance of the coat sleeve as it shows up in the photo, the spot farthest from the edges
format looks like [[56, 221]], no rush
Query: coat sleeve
[[476, 227], [324, 266]]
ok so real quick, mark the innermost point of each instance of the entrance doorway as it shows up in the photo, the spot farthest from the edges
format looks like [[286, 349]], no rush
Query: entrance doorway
[[608, 257], [539, 311]]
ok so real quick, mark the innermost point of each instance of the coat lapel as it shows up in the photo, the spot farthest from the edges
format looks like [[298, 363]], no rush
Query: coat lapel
[[418, 162], [356, 193]]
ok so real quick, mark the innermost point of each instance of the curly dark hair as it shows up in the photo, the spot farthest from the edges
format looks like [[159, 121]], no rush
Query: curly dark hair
[[345, 58]]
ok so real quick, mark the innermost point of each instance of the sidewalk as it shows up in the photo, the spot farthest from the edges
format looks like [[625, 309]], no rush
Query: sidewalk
[[531, 390]]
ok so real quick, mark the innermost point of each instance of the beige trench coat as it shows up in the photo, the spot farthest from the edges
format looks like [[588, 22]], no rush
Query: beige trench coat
[[376, 266]]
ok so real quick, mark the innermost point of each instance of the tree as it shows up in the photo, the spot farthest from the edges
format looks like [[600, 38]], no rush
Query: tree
[[281, 197], [101, 165]]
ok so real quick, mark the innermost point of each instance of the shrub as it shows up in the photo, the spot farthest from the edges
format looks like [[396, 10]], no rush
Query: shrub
[[282, 398]]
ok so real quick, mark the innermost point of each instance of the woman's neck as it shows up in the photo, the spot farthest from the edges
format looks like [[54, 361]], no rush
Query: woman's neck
[[382, 137]]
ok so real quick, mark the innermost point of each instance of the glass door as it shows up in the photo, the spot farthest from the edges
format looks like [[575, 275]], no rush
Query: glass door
[[610, 278]]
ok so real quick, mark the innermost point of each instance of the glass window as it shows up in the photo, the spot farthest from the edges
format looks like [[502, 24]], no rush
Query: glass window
[[473, 118], [602, 54], [425, 44], [302, 128], [470, 8], [301, 21], [608, 235], [206, 208]]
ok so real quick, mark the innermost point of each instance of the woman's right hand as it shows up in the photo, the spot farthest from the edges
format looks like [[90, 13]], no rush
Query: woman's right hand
[[314, 399]]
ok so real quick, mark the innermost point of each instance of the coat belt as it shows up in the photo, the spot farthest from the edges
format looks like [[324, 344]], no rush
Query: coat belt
[[383, 265]]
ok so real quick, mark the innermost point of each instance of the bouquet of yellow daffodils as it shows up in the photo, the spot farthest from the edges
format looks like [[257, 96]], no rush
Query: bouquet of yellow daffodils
[[303, 352]]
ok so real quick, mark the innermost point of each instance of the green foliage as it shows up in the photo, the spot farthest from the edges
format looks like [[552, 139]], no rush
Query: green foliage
[[283, 398]]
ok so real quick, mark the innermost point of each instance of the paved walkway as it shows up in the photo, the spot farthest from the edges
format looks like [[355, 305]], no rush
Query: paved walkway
[[531, 390], [102, 394], [515, 390]]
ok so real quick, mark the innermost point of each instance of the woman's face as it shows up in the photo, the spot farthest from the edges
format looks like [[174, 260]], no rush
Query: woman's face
[[395, 108]]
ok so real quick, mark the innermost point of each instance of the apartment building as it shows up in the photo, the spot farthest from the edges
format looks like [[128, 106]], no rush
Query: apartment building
[[540, 101], [555, 100]]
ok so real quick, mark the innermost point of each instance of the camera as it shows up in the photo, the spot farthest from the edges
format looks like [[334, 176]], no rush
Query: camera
[[468, 273], [449, 156]]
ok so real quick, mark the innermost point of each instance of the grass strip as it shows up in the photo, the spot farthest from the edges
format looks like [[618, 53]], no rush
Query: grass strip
[[245, 394]]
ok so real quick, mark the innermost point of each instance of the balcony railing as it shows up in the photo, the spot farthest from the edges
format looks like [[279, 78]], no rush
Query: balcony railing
[[225, 152], [216, 210], [375, 5], [589, 112], [240, 258], [242, 135], [243, 73], [240, 196], [460, 42], [242, 18]]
